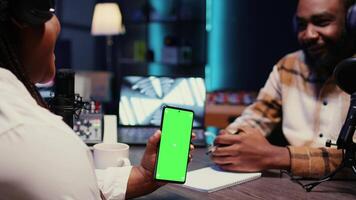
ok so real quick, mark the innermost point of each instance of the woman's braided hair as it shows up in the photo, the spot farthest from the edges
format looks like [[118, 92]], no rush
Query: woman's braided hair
[[9, 53]]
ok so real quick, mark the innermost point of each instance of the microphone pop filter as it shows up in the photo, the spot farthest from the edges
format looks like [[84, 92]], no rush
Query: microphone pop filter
[[345, 75]]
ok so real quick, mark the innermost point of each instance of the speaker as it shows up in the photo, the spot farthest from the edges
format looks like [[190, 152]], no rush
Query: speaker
[[350, 21], [32, 12]]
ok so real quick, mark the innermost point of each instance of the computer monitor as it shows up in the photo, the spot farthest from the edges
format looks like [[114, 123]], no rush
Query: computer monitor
[[142, 98]]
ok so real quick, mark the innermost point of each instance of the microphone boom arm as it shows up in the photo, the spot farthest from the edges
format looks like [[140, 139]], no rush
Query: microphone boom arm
[[345, 139]]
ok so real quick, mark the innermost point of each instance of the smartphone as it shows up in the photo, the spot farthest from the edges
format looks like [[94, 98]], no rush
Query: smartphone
[[173, 151]]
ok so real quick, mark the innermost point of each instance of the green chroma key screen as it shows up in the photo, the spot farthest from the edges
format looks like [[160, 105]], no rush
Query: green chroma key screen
[[174, 146]]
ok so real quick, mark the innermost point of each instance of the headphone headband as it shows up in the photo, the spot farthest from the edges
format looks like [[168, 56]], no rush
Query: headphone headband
[[351, 19]]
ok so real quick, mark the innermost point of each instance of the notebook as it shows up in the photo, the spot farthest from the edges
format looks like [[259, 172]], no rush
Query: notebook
[[211, 179], [142, 99]]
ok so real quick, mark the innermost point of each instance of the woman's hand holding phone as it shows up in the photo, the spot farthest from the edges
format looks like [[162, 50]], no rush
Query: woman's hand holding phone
[[141, 180], [173, 152]]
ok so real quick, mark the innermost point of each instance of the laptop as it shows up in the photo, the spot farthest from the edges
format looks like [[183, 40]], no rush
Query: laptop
[[142, 99]]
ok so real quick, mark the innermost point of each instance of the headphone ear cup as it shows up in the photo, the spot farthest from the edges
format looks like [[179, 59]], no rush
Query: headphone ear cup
[[34, 12], [351, 20], [295, 25]]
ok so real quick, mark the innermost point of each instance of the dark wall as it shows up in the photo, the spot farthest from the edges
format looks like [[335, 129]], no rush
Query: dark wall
[[247, 38], [75, 17]]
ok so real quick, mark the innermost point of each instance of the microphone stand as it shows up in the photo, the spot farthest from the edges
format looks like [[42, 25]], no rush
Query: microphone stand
[[65, 102], [344, 142]]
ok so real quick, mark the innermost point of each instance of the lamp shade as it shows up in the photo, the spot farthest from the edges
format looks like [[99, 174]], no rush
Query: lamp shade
[[107, 20]]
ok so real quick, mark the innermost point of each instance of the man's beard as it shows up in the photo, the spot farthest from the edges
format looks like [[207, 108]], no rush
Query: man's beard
[[336, 52]]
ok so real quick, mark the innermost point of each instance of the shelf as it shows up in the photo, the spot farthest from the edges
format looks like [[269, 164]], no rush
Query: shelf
[[162, 70], [173, 22], [233, 110], [148, 24], [178, 64], [133, 62], [129, 61]]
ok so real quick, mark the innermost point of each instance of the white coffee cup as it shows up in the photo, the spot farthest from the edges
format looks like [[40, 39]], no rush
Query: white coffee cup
[[111, 155]]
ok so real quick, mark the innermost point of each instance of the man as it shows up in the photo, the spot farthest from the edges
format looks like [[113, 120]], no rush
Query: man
[[302, 95]]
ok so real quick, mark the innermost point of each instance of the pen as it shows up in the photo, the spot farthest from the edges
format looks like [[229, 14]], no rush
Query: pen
[[211, 149]]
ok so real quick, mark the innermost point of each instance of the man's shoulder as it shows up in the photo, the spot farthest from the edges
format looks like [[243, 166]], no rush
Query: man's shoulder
[[292, 67], [299, 55], [291, 59], [293, 62]]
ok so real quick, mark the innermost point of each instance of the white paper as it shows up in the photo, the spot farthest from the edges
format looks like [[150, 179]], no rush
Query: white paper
[[210, 179]]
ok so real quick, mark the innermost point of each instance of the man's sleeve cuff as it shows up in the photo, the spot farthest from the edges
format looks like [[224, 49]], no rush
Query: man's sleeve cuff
[[314, 162]]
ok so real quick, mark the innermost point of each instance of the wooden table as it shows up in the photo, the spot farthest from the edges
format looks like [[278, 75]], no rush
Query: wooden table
[[270, 187]]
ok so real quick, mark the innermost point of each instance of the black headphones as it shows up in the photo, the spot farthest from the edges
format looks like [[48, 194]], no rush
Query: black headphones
[[350, 21], [31, 12]]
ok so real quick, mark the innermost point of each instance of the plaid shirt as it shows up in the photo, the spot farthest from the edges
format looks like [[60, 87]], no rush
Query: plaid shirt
[[310, 109]]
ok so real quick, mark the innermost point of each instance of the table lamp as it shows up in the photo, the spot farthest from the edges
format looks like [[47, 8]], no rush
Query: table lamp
[[107, 21]]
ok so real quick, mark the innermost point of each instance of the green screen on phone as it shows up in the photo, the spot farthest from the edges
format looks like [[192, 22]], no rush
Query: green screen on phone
[[173, 151]]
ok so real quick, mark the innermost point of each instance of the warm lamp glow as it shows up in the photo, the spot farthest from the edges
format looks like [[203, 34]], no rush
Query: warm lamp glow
[[107, 20]]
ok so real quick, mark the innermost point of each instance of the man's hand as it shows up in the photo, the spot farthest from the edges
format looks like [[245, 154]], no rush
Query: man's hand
[[141, 179], [248, 152]]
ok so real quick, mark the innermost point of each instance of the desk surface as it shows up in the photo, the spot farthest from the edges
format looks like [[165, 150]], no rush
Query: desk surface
[[270, 186]]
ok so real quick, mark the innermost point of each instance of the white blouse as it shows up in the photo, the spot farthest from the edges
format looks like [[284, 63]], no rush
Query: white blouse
[[42, 158]]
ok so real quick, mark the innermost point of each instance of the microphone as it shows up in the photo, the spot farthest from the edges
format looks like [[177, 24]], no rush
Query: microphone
[[63, 102], [345, 77]]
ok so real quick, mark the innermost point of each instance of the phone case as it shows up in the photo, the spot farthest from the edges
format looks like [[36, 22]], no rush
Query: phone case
[[158, 150]]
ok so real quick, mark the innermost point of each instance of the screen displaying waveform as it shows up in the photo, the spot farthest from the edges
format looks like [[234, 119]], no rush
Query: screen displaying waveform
[[142, 98]]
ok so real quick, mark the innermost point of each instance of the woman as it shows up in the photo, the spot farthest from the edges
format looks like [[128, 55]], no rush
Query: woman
[[41, 157]]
